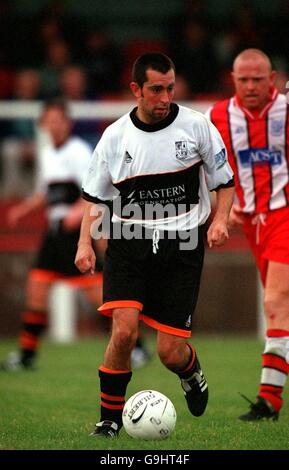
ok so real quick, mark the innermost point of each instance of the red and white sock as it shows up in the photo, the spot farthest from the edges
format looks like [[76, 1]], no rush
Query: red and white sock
[[275, 367]]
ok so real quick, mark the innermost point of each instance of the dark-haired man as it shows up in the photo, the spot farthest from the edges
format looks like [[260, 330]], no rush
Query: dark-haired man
[[155, 164]]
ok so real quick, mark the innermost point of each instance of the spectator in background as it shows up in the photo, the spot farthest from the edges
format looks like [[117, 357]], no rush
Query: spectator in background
[[58, 56], [254, 126], [182, 89], [73, 83], [57, 20], [104, 63], [196, 60], [74, 87], [18, 148]]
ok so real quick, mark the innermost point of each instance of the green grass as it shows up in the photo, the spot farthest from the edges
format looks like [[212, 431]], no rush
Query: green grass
[[56, 406]]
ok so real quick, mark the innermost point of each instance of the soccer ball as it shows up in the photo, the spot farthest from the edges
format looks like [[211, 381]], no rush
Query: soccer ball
[[149, 415]]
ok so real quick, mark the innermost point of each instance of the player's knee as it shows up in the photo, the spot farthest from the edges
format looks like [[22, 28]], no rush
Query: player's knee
[[125, 339], [276, 302]]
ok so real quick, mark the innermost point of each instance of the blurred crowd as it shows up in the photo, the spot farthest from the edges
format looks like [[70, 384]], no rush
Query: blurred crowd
[[57, 54]]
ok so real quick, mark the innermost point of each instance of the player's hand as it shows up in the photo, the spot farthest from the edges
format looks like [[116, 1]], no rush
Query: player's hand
[[85, 258], [236, 217], [217, 233]]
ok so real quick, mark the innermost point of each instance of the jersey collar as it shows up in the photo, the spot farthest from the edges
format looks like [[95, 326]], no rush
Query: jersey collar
[[158, 125], [257, 113]]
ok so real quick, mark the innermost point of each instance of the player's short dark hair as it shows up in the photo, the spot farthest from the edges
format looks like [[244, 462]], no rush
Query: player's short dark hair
[[151, 60]]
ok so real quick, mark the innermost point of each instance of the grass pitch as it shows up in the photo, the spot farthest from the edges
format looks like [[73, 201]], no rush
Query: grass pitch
[[56, 406]]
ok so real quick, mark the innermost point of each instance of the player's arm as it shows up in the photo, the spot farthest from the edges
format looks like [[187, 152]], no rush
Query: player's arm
[[236, 216], [74, 216], [218, 230], [31, 204], [85, 256]]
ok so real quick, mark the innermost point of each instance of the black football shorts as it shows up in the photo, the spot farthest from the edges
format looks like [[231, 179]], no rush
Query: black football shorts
[[163, 285]]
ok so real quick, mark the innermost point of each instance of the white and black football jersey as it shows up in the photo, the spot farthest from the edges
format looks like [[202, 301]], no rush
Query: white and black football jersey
[[159, 175], [60, 174]]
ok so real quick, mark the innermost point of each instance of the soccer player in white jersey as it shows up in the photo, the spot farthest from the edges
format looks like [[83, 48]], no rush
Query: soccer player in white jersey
[[255, 127], [156, 164]]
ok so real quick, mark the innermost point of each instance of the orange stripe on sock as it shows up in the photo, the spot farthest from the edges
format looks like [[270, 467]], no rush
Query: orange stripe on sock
[[112, 407], [106, 396], [113, 371], [192, 360], [28, 341]]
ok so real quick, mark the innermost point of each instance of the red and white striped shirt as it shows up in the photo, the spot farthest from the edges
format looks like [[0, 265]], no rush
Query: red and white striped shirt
[[258, 149]]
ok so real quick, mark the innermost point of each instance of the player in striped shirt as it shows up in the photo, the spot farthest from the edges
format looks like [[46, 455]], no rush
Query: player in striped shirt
[[254, 125]]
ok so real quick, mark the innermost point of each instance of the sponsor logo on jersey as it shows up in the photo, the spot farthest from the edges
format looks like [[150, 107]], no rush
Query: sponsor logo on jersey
[[162, 193], [260, 156], [239, 130]]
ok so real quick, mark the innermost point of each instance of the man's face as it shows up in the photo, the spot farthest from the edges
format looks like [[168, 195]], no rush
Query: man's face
[[155, 97], [57, 124], [253, 81]]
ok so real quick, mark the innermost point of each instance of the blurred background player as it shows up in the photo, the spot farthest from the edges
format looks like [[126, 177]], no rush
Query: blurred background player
[[255, 128], [62, 163]]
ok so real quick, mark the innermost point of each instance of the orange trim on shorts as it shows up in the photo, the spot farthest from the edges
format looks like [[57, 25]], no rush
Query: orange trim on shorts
[[81, 281], [106, 396], [42, 275], [165, 328], [85, 280], [108, 307], [112, 371], [111, 407]]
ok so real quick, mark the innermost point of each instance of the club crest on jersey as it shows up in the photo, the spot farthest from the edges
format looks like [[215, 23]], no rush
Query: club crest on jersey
[[276, 128], [182, 151]]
